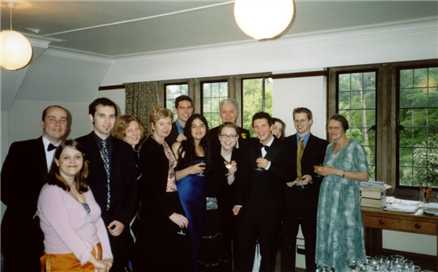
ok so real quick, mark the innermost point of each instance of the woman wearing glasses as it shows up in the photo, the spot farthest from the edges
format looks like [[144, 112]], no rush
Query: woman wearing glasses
[[228, 169]]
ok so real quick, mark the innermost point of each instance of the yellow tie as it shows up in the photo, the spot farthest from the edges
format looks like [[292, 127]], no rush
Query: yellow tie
[[300, 152]]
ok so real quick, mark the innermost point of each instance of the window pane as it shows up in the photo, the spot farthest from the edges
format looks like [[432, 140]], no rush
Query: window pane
[[212, 94], [172, 92], [257, 96], [357, 102], [418, 117]]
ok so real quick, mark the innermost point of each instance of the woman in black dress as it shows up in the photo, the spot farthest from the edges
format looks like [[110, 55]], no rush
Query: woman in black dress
[[228, 170], [162, 243]]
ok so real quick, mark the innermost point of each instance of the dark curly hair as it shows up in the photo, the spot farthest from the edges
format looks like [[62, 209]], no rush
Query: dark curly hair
[[188, 146]]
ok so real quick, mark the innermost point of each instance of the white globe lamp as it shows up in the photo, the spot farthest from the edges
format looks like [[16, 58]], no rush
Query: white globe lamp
[[15, 50], [263, 19]]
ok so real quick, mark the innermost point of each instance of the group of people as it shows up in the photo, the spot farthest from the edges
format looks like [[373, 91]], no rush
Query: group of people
[[185, 198]]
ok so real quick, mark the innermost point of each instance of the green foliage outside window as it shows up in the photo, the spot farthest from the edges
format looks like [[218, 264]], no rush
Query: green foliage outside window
[[357, 102], [418, 125], [257, 96]]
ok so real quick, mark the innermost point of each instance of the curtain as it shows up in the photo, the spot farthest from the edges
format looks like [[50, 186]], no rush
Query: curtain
[[141, 97]]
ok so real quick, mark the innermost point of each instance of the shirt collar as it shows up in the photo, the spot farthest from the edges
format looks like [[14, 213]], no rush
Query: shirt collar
[[304, 136], [46, 143], [270, 141]]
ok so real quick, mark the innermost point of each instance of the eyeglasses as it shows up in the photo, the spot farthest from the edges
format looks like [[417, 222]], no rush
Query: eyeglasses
[[228, 136]]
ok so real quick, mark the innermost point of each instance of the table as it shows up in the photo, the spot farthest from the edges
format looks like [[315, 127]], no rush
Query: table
[[376, 219]]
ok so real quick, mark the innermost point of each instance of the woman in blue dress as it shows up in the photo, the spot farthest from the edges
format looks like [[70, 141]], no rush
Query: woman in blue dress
[[191, 179], [340, 237]]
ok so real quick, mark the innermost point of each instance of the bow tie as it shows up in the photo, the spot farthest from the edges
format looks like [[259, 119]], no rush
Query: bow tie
[[266, 147], [51, 147]]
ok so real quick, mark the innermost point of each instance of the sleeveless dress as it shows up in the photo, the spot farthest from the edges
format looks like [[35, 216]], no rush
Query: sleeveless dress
[[192, 193]]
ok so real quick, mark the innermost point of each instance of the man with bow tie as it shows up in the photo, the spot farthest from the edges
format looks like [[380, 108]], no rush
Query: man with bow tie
[[301, 152], [24, 172], [261, 210]]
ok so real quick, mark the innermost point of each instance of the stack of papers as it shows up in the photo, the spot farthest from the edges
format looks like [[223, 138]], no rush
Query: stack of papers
[[401, 205]]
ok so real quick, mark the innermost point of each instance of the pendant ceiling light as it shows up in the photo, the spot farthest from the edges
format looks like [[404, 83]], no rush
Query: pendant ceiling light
[[263, 19], [15, 48]]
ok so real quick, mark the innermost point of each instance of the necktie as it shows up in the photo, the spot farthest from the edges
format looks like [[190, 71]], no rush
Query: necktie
[[300, 152], [51, 147], [266, 147], [106, 158]]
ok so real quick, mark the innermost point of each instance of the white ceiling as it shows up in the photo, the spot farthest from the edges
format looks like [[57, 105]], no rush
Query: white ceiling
[[213, 24]]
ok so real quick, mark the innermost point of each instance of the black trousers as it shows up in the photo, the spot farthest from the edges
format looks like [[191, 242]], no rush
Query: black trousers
[[122, 248], [288, 242], [265, 231], [21, 244]]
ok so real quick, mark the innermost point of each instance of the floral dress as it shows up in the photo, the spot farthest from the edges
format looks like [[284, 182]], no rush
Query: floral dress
[[340, 237]]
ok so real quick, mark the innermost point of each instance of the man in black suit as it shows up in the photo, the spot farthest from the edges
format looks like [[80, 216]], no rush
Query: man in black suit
[[24, 172], [301, 152], [112, 178], [184, 109], [229, 111], [261, 211]]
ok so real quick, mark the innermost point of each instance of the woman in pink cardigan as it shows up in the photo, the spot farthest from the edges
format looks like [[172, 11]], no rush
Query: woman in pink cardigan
[[75, 237]]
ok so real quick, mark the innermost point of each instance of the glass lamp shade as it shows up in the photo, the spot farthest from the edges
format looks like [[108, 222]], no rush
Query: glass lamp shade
[[15, 50], [263, 19]]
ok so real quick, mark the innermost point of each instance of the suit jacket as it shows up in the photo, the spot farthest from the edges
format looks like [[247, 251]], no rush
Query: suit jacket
[[217, 178], [23, 174], [302, 200], [123, 178], [262, 194]]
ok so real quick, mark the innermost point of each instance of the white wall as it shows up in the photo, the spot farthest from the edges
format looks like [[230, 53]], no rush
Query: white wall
[[310, 92]]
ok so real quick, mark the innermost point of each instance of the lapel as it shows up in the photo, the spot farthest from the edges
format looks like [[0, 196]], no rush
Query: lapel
[[272, 153], [308, 148], [44, 171]]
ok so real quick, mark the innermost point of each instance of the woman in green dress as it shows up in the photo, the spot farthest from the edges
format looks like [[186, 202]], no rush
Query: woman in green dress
[[340, 238]]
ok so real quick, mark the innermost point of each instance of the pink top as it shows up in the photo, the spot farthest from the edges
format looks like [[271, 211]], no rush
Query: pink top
[[67, 226]]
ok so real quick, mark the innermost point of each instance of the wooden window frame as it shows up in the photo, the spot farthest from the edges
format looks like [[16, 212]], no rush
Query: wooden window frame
[[387, 118]]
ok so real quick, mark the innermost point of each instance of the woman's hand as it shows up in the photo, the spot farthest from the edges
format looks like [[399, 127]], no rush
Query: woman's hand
[[99, 266], [179, 219], [232, 167], [326, 170], [197, 168], [108, 263]]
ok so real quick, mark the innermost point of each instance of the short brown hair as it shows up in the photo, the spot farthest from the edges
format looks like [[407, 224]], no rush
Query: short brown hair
[[46, 110], [341, 119], [303, 110], [122, 123]]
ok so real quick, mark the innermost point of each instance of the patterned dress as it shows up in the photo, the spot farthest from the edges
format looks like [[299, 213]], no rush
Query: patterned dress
[[340, 238]]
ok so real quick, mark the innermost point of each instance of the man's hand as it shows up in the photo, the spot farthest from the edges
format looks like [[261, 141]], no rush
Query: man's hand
[[115, 228], [262, 163], [306, 179]]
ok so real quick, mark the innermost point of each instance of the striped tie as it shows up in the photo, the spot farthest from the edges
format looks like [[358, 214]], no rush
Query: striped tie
[[300, 152]]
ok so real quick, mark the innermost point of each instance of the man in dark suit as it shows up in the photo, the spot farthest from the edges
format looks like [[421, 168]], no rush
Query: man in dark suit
[[301, 152], [112, 178], [24, 172], [184, 109], [229, 111], [261, 211]]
